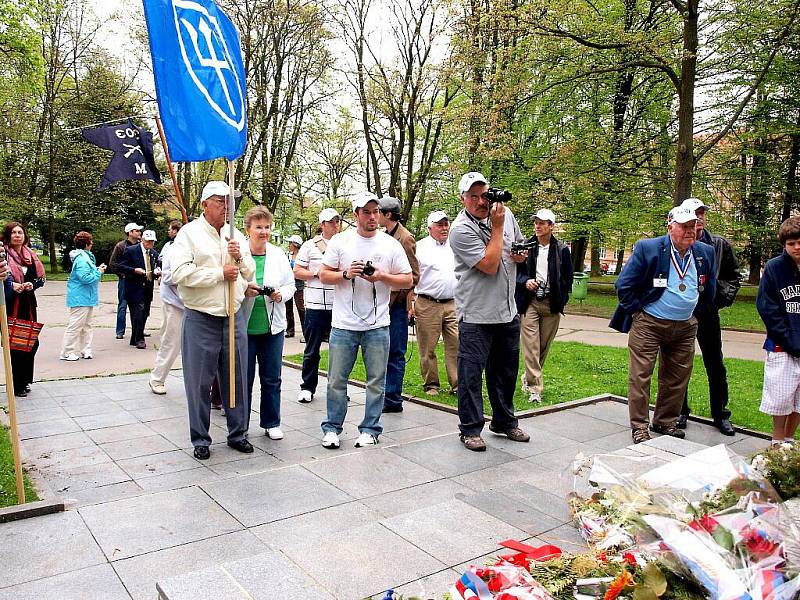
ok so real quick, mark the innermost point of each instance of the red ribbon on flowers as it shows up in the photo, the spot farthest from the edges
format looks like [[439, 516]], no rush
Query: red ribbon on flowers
[[527, 553]]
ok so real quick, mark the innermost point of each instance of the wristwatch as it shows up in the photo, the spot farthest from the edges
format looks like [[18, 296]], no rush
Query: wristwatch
[[345, 275]]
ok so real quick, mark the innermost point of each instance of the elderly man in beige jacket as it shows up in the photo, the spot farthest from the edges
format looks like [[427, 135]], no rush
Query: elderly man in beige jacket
[[203, 261]]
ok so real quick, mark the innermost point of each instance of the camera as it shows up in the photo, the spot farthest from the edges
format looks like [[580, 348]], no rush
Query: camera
[[493, 195], [520, 247], [542, 291], [266, 291], [369, 269]]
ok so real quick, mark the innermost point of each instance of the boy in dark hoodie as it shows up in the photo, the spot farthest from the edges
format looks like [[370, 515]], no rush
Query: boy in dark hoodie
[[779, 306]]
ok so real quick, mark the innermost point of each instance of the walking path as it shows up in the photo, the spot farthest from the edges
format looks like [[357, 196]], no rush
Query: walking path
[[115, 357], [292, 520]]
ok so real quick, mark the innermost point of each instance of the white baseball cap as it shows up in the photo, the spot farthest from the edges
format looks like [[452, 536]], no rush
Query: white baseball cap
[[148, 235], [681, 214], [545, 214], [469, 179], [364, 198], [436, 216], [131, 226], [295, 239], [215, 188], [327, 214], [695, 204]]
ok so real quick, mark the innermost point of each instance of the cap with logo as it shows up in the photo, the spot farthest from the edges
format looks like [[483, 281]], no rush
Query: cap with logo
[[362, 199], [149, 235], [131, 226], [436, 216], [469, 179], [545, 214], [695, 204], [295, 239], [681, 214], [327, 214]]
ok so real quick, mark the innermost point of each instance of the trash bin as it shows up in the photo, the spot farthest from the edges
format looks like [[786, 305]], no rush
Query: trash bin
[[580, 286]]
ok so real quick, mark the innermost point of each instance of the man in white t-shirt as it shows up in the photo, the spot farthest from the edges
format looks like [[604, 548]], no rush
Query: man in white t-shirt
[[364, 265], [318, 299]]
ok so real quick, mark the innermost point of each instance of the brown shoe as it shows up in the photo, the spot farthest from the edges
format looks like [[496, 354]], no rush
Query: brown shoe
[[670, 430], [473, 442], [639, 435], [515, 434]]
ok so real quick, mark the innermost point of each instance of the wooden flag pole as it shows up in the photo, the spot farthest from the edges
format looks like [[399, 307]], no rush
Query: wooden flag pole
[[12, 402], [231, 290], [175, 186]]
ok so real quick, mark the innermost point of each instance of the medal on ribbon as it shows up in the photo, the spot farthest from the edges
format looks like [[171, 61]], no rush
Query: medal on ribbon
[[681, 271]]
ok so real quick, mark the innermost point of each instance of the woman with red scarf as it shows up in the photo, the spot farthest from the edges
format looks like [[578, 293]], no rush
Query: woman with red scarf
[[28, 274]]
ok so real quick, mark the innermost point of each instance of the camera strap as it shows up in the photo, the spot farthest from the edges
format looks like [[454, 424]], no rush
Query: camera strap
[[374, 303]]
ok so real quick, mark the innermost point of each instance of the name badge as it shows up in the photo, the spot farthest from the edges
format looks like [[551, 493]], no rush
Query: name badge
[[659, 282]]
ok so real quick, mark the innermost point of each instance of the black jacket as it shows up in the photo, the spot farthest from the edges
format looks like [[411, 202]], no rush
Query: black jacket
[[559, 276], [778, 303], [727, 270], [137, 287]]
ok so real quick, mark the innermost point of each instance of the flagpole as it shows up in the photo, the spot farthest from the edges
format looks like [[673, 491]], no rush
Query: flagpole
[[176, 187], [231, 289], [12, 401]]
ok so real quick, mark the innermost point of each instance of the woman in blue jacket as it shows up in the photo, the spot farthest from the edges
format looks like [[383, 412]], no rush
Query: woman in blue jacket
[[82, 297]]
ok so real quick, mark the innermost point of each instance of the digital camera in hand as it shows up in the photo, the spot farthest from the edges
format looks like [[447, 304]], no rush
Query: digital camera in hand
[[520, 247], [266, 290], [493, 195], [542, 291], [369, 269]]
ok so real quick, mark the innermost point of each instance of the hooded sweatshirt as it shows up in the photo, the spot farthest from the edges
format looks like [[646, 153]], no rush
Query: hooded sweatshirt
[[778, 304]]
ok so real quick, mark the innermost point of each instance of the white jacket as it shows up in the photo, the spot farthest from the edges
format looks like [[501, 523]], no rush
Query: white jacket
[[277, 274], [197, 257]]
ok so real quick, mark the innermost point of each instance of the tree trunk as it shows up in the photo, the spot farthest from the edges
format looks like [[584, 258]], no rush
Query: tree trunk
[[684, 160], [579, 254], [791, 198], [595, 256]]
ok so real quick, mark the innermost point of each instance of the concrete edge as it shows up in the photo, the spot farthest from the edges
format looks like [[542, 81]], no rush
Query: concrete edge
[[30, 509]]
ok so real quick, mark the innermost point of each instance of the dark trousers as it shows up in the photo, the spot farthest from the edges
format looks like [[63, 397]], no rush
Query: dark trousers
[[298, 299], [138, 319], [317, 328], [122, 306], [22, 366], [398, 344], [709, 337], [495, 348], [267, 351]]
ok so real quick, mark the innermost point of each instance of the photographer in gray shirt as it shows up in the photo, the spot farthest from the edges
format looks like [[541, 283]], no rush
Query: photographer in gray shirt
[[488, 325]]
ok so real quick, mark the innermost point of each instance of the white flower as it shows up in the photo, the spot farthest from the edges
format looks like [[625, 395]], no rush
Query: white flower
[[786, 446], [759, 463]]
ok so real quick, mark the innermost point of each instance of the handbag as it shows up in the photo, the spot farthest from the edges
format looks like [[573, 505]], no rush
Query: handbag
[[22, 333]]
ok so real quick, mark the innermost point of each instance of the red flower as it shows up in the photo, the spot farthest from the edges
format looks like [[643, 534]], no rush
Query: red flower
[[602, 557], [629, 558], [759, 545], [706, 522], [622, 581]]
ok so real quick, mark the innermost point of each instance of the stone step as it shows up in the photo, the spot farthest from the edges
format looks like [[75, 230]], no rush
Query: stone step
[[266, 576]]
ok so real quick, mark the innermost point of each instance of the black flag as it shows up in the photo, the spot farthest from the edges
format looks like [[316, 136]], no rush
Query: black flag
[[133, 152]]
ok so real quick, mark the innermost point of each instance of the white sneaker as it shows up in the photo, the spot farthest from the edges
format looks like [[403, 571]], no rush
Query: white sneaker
[[330, 440], [87, 354], [305, 396], [535, 397], [71, 356], [274, 433], [365, 439], [157, 388]]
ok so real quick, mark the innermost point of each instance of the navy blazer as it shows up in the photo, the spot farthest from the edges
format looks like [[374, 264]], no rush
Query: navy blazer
[[650, 260], [137, 288]]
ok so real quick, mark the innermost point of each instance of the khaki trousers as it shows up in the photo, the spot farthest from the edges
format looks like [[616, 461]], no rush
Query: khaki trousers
[[78, 334], [539, 328], [434, 320], [171, 326], [648, 338]]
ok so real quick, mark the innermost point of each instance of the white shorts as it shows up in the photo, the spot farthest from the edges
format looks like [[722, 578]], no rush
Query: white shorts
[[781, 394]]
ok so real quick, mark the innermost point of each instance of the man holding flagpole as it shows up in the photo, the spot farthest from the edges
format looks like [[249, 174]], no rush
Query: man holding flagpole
[[204, 260]]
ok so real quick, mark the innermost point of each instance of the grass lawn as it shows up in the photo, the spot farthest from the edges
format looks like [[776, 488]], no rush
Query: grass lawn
[[64, 275], [574, 370], [8, 482], [742, 315]]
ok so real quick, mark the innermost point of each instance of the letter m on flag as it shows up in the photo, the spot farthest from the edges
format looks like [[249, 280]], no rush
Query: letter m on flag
[[199, 77]]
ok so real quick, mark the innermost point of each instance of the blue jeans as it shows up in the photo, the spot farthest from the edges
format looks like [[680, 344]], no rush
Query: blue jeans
[[396, 365], [317, 327], [342, 353], [268, 350], [122, 307]]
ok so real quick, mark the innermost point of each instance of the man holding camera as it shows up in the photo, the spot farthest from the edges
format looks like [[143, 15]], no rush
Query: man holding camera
[[139, 265], [488, 324], [709, 330], [203, 261], [364, 265], [544, 281], [400, 305]]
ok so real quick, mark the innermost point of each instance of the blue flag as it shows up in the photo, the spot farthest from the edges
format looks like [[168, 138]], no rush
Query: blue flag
[[200, 80]]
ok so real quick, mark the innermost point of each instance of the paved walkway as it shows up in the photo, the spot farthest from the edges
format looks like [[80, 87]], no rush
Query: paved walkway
[[292, 520], [115, 357]]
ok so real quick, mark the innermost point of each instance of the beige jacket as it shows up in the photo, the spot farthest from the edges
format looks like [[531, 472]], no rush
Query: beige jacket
[[197, 257]]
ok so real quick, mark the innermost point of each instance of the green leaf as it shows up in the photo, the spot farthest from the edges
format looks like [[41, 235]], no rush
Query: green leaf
[[654, 579], [644, 593], [723, 537]]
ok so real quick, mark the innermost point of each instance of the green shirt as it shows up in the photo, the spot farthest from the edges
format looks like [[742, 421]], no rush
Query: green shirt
[[259, 318]]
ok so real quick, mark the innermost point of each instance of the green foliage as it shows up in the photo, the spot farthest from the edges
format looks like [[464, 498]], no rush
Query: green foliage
[[780, 464], [8, 485]]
